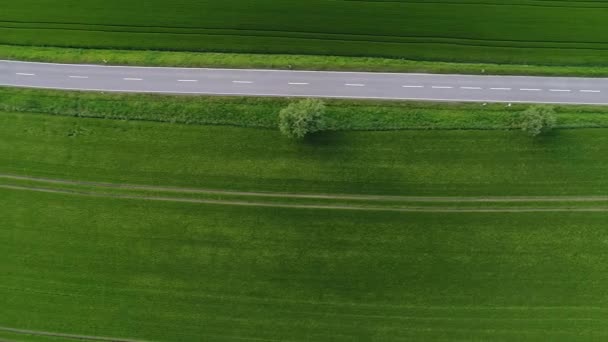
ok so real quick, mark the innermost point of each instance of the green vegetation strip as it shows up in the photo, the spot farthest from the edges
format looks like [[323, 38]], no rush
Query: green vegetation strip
[[570, 33], [263, 112], [281, 61]]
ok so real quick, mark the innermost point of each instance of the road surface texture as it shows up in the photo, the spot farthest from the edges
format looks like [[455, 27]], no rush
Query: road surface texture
[[287, 83]]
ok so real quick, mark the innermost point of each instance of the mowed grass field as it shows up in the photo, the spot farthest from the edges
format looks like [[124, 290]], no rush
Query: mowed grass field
[[412, 163], [153, 268], [495, 31]]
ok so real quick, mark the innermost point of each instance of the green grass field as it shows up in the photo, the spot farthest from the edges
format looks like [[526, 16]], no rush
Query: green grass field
[[472, 163], [518, 31], [153, 268], [190, 272]]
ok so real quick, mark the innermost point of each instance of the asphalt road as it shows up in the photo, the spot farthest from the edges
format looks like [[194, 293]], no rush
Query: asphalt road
[[364, 85]]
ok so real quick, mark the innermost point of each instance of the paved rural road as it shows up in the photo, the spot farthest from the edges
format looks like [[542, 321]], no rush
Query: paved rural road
[[389, 86]]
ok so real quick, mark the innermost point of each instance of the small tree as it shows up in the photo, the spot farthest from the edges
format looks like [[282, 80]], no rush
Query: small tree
[[538, 120], [301, 118]]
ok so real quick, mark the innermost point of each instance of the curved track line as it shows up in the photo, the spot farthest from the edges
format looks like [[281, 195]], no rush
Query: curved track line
[[69, 336], [306, 206], [485, 199]]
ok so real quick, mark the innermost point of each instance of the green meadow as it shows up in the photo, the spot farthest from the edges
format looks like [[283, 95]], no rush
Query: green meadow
[[143, 228], [172, 271]]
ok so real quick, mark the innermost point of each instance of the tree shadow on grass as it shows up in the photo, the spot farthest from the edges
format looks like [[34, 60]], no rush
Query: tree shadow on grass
[[550, 137], [343, 154], [325, 138]]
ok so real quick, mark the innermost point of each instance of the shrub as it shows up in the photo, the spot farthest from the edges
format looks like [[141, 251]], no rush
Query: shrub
[[538, 120], [301, 118]]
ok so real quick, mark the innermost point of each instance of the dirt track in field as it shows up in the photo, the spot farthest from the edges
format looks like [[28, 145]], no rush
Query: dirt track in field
[[302, 206], [498, 199]]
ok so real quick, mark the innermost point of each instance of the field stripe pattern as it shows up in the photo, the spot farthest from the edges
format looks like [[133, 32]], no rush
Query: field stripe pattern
[[501, 32]]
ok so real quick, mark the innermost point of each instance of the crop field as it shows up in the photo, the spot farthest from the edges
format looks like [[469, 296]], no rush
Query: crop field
[[541, 32], [161, 231], [102, 266]]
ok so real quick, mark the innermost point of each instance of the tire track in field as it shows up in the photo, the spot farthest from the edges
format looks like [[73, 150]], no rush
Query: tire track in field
[[68, 336], [484, 199], [304, 206]]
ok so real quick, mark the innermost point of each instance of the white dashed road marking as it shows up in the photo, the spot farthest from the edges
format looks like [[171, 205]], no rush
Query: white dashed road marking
[[555, 90]]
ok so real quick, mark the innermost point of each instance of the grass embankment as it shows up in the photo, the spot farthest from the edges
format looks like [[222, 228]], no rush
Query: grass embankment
[[263, 112], [559, 33]]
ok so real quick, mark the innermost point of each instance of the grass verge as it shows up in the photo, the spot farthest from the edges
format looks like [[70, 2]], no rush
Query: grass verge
[[285, 62], [263, 112]]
